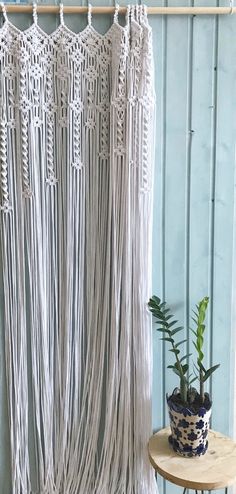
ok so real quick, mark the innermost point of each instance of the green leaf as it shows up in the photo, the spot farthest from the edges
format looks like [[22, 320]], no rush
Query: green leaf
[[156, 299], [210, 371], [194, 320], [193, 380], [166, 325], [177, 365], [162, 323], [163, 330], [184, 368], [199, 340], [200, 356], [156, 313], [201, 318], [175, 351], [177, 372], [165, 311], [170, 366], [160, 319], [201, 366], [179, 342], [196, 369], [153, 305], [167, 339], [185, 356], [176, 330], [169, 317], [172, 323], [195, 345]]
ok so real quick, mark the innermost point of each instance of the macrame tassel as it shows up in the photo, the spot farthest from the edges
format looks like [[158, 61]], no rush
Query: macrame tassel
[[13, 262], [76, 169]]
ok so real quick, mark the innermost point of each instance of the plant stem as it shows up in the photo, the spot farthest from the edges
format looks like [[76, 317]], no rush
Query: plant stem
[[183, 390], [183, 387]]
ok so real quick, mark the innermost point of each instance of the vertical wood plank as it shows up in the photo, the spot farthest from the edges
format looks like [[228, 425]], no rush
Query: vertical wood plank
[[223, 224], [203, 111], [176, 111], [176, 176], [159, 26], [160, 42]]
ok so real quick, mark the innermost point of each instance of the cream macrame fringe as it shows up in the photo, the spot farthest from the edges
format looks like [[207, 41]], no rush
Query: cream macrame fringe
[[76, 143]]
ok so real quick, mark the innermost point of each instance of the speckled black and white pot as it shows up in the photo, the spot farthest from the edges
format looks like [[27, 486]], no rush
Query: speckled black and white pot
[[188, 430]]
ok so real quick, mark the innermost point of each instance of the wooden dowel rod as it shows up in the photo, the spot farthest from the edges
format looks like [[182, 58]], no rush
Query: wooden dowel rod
[[74, 9]]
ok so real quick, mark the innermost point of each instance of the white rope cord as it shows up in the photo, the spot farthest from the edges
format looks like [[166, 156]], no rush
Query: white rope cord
[[89, 14], [117, 7], [61, 15], [231, 4], [35, 14], [76, 182], [4, 12]]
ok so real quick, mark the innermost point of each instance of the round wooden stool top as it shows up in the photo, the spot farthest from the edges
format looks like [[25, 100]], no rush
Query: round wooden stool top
[[214, 470]]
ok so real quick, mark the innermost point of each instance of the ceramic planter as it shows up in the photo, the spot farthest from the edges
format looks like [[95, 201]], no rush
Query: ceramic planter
[[189, 430]]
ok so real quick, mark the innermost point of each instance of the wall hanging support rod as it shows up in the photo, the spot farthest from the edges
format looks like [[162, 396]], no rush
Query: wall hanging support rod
[[73, 9]]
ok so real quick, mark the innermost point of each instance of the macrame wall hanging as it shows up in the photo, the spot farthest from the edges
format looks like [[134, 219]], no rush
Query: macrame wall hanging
[[76, 127]]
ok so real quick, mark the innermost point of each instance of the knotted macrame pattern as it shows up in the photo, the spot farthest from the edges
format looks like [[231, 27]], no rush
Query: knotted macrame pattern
[[76, 127]]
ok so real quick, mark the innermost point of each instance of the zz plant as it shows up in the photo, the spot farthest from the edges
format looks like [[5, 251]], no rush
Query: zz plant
[[169, 328]]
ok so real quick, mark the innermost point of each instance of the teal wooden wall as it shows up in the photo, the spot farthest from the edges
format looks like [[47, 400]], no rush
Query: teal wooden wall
[[194, 192], [195, 64]]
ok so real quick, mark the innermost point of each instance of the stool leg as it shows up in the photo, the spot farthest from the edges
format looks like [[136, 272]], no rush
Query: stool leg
[[184, 491], [226, 490]]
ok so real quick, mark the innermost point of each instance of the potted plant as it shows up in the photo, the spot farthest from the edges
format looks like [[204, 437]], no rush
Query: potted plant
[[189, 409]]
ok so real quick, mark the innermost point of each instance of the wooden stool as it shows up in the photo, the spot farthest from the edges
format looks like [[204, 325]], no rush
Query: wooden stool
[[214, 470]]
